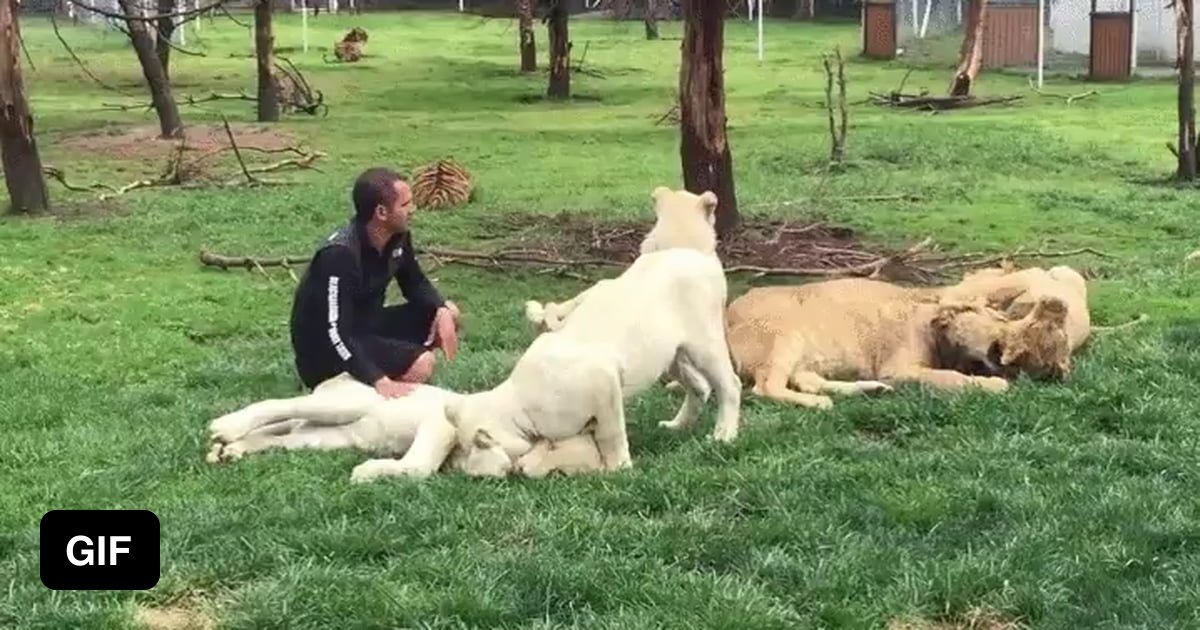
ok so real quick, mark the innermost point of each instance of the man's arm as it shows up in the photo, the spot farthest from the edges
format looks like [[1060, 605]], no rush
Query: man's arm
[[417, 288], [339, 277]]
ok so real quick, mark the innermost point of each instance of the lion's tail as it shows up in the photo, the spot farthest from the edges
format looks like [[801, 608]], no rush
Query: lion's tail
[[1141, 319]]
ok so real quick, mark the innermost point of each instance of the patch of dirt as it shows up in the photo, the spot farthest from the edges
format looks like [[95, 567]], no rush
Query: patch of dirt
[[142, 142], [174, 617], [759, 243], [974, 619]]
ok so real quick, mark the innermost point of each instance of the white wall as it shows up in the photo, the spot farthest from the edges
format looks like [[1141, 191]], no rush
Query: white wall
[[1070, 29]]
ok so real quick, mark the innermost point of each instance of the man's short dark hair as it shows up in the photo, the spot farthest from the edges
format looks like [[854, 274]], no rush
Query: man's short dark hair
[[375, 186]]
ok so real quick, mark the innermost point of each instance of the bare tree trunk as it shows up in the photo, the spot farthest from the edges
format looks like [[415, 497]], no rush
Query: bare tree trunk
[[18, 149], [264, 48], [160, 89], [1185, 45], [704, 149], [560, 53], [166, 27], [651, 19], [527, 43], [970, 56]]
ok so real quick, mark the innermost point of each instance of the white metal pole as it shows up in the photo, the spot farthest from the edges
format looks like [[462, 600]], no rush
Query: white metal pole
[[750, 9], [304, 23], [1041, 53], [460, 6], [915, 14], [760, 30], [1133, 40]]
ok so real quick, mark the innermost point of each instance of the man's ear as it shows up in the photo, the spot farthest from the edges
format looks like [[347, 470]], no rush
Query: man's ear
[[483, 439]]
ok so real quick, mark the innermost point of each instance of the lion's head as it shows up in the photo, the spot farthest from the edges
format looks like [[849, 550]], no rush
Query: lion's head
[[976, 339]]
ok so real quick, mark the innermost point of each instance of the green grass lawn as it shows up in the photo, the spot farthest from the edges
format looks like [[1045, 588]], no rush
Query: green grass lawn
[[1066, 506]]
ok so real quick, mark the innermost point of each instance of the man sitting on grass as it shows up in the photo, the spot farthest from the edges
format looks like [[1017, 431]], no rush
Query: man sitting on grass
[[339, 323]]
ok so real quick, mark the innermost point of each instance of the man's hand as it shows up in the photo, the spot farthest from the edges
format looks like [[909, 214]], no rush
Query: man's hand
[[444, 332], [393, 389]]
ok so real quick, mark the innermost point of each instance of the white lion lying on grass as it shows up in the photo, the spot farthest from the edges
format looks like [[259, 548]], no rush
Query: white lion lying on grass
[[344, 413]]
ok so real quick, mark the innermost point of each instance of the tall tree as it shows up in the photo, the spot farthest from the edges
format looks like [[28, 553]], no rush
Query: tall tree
[[560, 52], [527, 44], [970, 56], [650, 19], [166, 28], [264, 48], [1185, 45], [704, 147], [156, 79], [18, 149]]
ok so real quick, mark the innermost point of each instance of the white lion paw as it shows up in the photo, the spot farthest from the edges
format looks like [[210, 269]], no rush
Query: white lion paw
[[992, 383], [229, 427], [725, 432], [214, 453], [875, 387], [373, 469]]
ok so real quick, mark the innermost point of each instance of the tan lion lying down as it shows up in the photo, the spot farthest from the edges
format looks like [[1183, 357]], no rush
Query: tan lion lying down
[[793, 341]]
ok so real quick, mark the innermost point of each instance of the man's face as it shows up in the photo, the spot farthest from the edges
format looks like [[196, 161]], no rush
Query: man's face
[[396, 218]]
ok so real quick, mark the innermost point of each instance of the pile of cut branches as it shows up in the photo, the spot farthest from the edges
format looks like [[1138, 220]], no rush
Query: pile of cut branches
[[923, 101], [193, 172], [771, 249]]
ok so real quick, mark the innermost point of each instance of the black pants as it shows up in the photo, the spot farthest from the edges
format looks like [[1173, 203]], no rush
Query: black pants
[[394, 339]]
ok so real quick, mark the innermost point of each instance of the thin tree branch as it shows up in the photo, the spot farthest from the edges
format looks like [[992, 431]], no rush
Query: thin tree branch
[[78, 61], [148, 18], [233, 143], [229, 15], [187, 100], [162, 37], [28, 59]]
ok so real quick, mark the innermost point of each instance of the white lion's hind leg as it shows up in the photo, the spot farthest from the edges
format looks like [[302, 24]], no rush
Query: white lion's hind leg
[[710, 356], [612, 442], [696, 393], [338, 404], [303, 437], [434, 440]]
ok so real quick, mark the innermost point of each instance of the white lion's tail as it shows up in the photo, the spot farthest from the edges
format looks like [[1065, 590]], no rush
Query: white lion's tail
[[535, 312]]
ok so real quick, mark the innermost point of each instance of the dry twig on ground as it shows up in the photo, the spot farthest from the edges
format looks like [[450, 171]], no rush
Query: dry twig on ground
[[672, 116], [1068, 98], [187, 100]]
